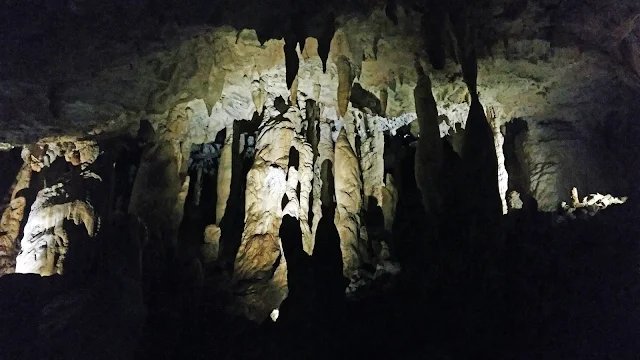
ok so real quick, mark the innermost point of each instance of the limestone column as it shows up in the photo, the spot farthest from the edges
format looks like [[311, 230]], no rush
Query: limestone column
[[305, 175], [60, 232], [260, 272], [11, 221], [47, 239], [212, 233], [348, 187], [158, 191], [224, 175]]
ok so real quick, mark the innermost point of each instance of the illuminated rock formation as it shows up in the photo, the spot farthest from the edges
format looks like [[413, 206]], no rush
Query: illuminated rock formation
[[11, 221], [47, 239], [260, 263], [326, 88], [348, 189]]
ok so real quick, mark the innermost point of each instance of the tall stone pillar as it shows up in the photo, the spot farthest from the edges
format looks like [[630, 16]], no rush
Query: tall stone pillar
[[348, 187], [12, 220], [260, 270]]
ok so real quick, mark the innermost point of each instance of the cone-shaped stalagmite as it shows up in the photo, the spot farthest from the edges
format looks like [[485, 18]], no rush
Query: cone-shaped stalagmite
[[345, 79], [157, 189], [428, 162], [478, 149]]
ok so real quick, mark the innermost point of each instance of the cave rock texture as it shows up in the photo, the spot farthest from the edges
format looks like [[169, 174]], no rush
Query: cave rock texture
[[415, 130]]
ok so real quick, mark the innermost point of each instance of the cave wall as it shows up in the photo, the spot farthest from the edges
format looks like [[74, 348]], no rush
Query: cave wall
[[332, 92]]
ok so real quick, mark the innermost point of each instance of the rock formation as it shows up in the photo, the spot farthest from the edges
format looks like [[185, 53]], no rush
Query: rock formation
[[335, 115], [11, 221], [429, 149], [348, 190], [224, 176], [46, 242]]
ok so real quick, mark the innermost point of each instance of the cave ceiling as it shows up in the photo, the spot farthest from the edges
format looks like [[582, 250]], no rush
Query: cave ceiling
[[96, 69]]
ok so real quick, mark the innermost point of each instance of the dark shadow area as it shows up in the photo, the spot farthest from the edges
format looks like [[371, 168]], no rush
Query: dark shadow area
[[361, 99], [10, 162], [232, 222], [515, 159], [570, 291]]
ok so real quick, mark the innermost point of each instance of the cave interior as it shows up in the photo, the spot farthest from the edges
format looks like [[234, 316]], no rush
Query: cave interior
[[347, 179]]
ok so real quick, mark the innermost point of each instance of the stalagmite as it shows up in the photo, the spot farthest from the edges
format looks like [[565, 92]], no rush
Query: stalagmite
[[384, 98], [519, 182], [260, 267], [293, 93], [325, 152], [197, 191], [428, 163], [345, 80], [389, 202], [257, 95], [305, 174], [156, 190], [371, 159], [349, 204], [11, 221], [498, 138], [224, 175]]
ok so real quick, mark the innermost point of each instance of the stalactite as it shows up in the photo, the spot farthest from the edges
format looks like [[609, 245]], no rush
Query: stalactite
[[433, 30], [391, 11], [324, 42]]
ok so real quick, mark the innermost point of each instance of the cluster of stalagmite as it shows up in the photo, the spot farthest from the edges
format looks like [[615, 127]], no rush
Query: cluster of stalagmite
[[305, 122], [58, 173]]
